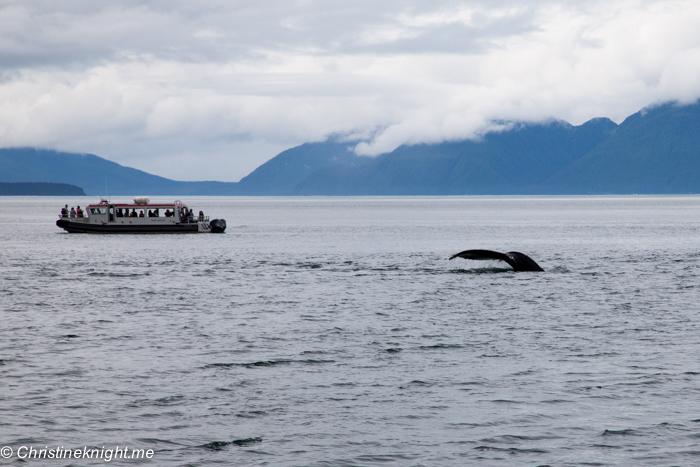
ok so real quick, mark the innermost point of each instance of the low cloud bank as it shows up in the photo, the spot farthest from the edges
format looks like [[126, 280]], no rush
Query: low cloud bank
[[213, 91]]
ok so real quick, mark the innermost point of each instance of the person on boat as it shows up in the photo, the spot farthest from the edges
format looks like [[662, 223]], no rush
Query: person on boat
[[64, 211], [190, 216], [150, 213], [141, 213], [133, 213], [72, 212], [167, 213], [119, 213], [80, 212], [201, 216]]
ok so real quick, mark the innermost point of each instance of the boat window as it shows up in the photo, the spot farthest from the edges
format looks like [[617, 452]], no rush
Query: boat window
[[98, 210]]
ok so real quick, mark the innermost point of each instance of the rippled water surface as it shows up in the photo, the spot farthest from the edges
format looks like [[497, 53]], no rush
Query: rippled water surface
[[335, 332]]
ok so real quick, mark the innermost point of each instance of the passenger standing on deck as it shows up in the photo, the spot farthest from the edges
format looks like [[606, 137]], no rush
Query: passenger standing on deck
[[190, 216], [72, 212], [201, 216], [64, 211], [80, 212]]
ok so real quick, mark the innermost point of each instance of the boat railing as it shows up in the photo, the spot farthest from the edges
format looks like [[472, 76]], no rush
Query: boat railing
[[195, 219]]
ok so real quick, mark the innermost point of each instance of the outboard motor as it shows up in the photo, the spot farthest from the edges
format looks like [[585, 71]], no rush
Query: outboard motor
[[217, 225]]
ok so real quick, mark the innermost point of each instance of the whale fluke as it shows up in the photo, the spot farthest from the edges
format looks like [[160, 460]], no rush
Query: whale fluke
[[518, 261]]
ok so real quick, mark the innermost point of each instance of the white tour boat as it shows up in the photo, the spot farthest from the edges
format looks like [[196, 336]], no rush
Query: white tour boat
[[139, 217]]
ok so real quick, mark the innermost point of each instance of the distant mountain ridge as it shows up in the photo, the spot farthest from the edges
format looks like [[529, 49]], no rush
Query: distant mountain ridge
[[40, 189], [283, 173], [656, 150], [92, 173], [653, 151], [517, 161]]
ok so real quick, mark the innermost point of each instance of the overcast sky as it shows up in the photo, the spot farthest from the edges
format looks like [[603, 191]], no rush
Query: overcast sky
[[210, 89]]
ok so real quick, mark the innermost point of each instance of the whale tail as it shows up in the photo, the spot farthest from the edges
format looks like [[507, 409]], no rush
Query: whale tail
[[518, 261]]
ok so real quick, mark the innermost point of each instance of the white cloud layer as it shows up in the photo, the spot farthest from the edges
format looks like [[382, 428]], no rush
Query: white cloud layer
[[211, 89]]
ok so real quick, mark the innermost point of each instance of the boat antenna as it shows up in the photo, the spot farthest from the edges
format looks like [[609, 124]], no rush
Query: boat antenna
[[105, 199]]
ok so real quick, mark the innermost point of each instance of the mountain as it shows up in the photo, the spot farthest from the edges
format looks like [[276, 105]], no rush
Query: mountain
[[284, 172], [40, 189], [656, 150], [516, 161], [92, 173]]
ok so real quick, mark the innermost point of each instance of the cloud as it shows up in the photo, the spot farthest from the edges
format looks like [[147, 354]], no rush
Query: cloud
[[211, 90]]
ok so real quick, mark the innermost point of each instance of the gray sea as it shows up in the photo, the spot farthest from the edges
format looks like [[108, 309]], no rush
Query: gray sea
[[335, 332]]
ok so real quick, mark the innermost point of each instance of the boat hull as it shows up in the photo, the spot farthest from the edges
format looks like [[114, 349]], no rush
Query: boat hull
[[80, 227]]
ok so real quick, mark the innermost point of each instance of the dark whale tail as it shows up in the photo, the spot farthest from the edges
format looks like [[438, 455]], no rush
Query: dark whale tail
[[518, 261]]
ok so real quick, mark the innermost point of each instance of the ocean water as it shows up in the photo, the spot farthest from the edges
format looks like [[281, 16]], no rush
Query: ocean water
[[335, 332]]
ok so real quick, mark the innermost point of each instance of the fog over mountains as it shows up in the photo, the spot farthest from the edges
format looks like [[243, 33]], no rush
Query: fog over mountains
[[656, 150]]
